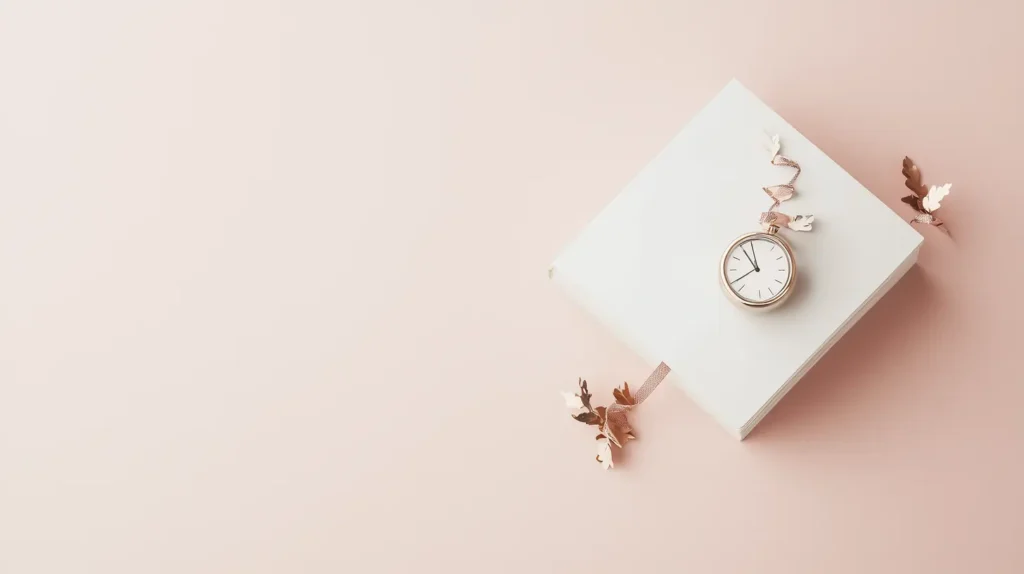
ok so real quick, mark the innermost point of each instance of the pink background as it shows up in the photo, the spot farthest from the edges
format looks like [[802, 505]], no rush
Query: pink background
[[275, 295]]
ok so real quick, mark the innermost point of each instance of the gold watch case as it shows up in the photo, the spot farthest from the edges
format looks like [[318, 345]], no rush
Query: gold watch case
[[787, 289]]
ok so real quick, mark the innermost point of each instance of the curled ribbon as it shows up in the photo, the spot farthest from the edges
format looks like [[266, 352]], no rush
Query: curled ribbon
[[612, 421], [783, 192]]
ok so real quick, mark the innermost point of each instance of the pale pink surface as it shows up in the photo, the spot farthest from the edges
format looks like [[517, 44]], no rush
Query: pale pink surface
[[275, 295]]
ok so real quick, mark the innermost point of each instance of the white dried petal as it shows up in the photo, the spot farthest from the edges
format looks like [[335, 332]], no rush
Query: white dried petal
[[935, 195], [604, 454], [572, 400]]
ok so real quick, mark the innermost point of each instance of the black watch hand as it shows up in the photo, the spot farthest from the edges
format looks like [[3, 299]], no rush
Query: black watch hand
[[741, 276], [756, 267], [748, 258]]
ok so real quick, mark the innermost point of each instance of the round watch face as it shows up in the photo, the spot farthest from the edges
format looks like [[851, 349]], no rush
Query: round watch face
[[758, 269]]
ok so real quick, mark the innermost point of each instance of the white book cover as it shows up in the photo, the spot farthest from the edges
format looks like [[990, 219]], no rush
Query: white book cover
[[648, 265]]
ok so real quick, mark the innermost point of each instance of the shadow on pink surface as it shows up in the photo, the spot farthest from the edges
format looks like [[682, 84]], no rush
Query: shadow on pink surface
[[845, 382]]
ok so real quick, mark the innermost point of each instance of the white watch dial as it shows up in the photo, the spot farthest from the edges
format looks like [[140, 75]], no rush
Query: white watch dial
[[758, 269]]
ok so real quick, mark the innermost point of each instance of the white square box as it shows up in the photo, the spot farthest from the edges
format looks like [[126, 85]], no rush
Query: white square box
[[648, 265]]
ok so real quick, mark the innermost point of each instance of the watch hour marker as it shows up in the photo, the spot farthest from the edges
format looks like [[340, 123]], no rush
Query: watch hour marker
[[749, 277]]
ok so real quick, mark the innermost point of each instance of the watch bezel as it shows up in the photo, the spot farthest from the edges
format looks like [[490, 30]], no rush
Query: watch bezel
[[779, 297]]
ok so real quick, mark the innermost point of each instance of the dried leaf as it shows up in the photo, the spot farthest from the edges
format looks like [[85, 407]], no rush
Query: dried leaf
[[925, 199], [801, 223], [936, 194], [612, 421], [623, 396], [572, 400], [585, 395], [913, 201], [913, 175], [589, 418], [774, 146]]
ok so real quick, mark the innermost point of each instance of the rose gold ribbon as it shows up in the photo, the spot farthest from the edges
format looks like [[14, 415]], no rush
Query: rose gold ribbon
[[652, 382], [617, 412], [783, 192]]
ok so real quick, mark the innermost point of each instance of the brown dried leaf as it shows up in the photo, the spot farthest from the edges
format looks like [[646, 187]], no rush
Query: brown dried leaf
[[600, 437], [623, 396], [585, 395], [589, 418], [913, 175], [913, 201]]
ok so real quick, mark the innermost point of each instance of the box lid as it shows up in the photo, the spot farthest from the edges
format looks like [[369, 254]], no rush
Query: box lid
[[647, 265]]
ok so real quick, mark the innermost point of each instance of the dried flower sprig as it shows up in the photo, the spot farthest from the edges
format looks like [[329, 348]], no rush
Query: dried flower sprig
[[924, 200], [611, 421]]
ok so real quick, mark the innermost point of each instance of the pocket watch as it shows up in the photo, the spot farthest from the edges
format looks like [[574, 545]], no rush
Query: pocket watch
[[758, 270]]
